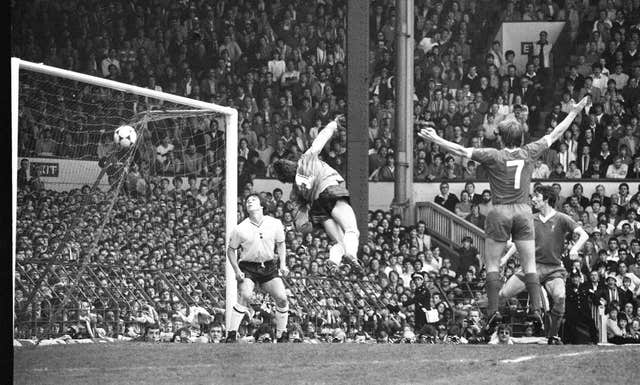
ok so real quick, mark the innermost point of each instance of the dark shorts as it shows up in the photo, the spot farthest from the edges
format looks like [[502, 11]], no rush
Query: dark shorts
[[513, 221], [321, 208], [546, 273], [258, 272]]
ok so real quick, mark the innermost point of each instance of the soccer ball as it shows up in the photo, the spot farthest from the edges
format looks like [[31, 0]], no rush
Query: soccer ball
[[125, 136]]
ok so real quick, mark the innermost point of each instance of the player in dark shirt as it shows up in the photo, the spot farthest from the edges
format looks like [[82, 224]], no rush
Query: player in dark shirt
[[551, 229], [509, 171]]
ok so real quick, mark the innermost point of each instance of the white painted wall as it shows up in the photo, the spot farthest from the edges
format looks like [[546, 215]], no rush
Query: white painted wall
[[75, 174], [381, 193], [511, 34]]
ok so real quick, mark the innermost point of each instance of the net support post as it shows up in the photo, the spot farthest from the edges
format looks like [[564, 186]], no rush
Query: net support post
[[15, 95], [231, 209]]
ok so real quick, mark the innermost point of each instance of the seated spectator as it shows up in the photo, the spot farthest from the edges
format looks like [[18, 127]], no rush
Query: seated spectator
[[573, 172], [617, 170], [540, 170], [558, 172]]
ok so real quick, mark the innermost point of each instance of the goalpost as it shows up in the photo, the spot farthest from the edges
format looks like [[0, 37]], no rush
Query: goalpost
[[169, 113]]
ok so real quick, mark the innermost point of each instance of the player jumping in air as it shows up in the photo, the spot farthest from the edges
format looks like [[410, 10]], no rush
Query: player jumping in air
[[319, 189], [257, 235], [551, 228], [509, 171]]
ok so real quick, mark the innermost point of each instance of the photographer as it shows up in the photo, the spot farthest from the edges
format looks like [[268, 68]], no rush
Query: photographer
[[473, 328]]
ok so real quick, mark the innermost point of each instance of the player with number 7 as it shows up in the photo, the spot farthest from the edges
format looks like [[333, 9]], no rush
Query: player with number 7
[[509, 171]]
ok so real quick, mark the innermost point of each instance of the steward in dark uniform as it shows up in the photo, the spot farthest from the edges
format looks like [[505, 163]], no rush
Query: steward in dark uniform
[[579, 327]]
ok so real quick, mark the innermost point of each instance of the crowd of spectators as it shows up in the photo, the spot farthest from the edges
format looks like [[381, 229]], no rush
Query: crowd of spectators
[[162, 253], [282, 65]]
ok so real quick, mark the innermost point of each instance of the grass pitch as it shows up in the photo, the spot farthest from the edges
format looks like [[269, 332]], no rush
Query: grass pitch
[[159, 364]]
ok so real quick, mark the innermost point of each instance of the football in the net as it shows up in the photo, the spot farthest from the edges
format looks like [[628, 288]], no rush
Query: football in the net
[[125, 136]]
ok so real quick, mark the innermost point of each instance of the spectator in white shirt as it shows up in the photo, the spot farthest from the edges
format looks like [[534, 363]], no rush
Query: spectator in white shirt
[[619, 77], [599, 79], [276, 66], [541, 170], [617, 170], [163, 149], [106, 62]]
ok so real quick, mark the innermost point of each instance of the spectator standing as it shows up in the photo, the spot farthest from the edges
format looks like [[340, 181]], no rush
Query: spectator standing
[[385, 173], [463, 208], [276, 66], [163, 149], [35, 183], [475, 217], [193, 161], [24, 174], [111, 59], [46, 145], [468, 256], [486, 204]]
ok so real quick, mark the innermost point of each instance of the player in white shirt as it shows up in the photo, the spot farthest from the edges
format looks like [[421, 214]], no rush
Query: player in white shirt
[[320, 194], [258, 235]]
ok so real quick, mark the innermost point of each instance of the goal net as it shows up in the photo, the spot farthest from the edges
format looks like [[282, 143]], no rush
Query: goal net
[[65, 158]]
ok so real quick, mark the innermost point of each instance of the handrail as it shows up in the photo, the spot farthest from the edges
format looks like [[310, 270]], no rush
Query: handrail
[[449, 227]]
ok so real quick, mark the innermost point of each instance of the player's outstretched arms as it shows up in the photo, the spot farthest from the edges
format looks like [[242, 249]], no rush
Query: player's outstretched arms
[[428, 133], [559, 130], [325, 135]]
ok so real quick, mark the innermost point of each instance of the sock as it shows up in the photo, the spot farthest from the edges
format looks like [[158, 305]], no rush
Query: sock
[[554, 325], [351, 243], [237, 314], [493, 288], [282, 317], [335, 253], [532, 282]]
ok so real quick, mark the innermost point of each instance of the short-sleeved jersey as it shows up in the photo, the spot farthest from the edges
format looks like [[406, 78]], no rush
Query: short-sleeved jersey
[[510, 171], [257, 240], [313, 176], [550, 235]]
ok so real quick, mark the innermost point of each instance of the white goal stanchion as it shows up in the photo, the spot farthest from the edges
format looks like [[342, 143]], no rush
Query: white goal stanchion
[[20, 67]]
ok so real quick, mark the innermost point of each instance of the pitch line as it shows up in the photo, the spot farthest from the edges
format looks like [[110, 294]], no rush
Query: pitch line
[[560, 355]]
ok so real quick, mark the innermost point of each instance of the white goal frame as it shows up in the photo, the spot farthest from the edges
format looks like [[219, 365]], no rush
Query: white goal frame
[[231, 153]]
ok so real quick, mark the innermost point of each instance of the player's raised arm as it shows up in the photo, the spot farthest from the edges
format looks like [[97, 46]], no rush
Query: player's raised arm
[[324, 136], [429, 133], [559, 130]]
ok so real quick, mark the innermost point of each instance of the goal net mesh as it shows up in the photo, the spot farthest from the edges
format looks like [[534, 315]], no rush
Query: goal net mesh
[[96, 194]]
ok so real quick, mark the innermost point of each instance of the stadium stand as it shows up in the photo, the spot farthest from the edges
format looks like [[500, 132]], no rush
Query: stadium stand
[[281, 64]]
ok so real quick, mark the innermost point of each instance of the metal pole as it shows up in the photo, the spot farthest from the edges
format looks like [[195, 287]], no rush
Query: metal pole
[[358, 110], [402, 200]]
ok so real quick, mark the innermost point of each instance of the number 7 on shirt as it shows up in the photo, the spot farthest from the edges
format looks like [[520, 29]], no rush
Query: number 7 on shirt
[[519, 165]]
